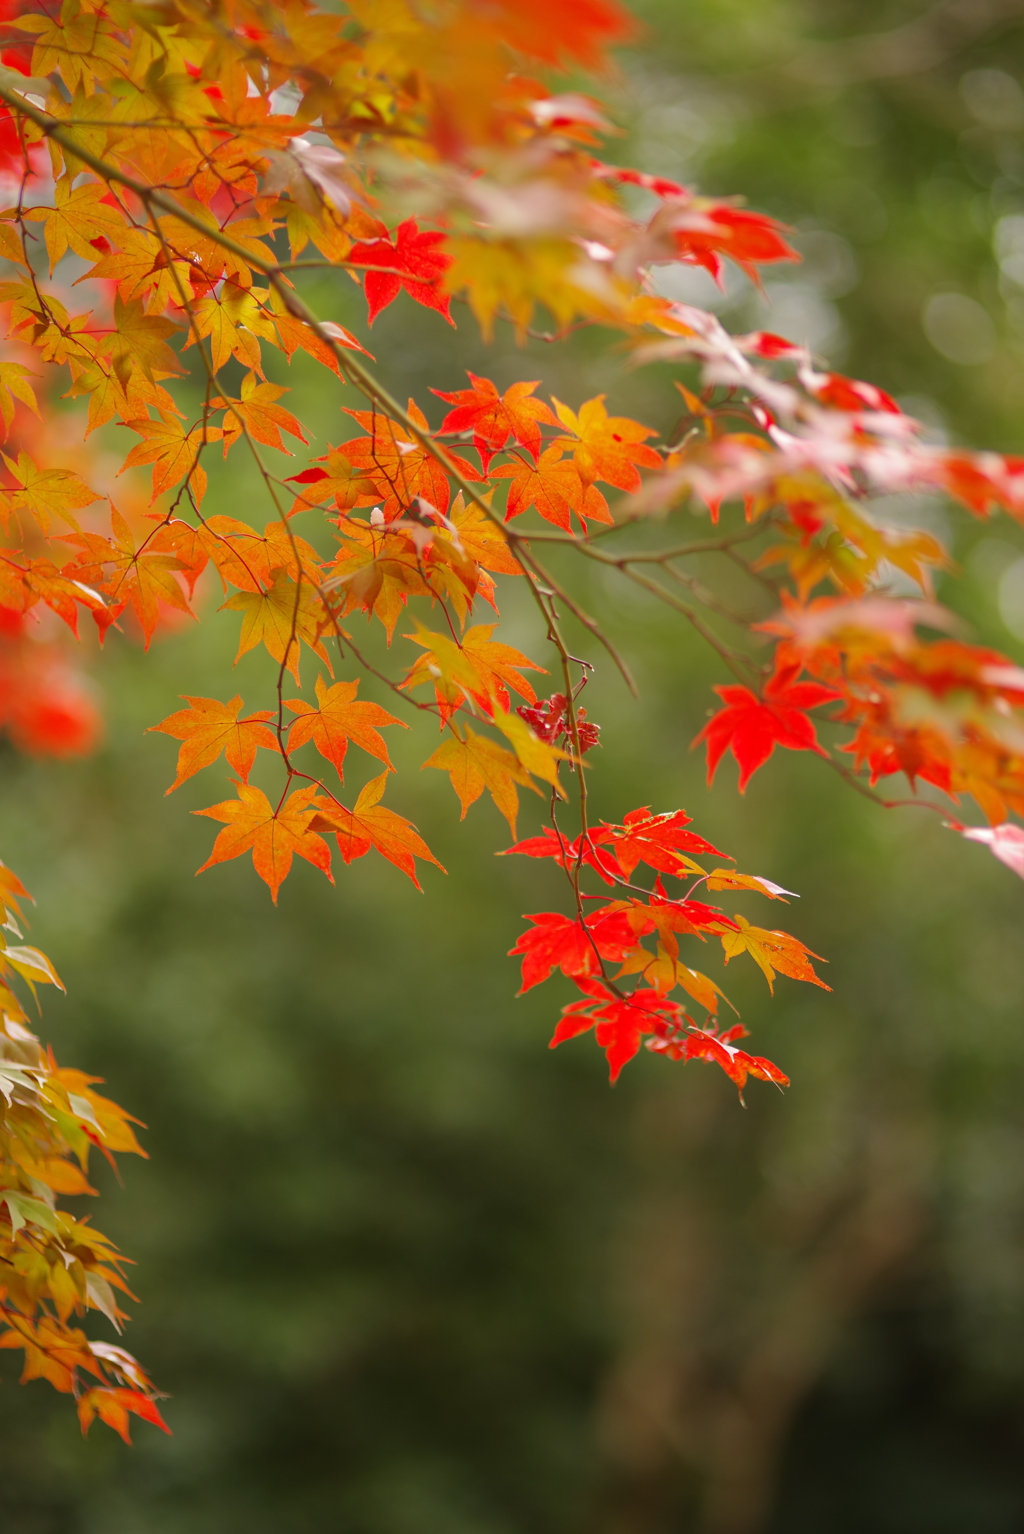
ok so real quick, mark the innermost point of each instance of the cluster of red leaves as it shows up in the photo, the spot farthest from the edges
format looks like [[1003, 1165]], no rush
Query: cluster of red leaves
[[550, 721], [586, 946], [941, 711]]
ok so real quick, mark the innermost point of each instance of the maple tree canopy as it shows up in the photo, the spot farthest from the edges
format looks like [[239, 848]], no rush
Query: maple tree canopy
[[174, 171]]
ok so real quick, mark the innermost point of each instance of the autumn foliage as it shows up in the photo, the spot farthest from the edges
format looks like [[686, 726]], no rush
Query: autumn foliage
[[171, 170]]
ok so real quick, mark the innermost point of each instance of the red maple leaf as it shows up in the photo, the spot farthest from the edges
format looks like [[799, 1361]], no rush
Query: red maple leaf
[[577, 29], [410, 253], [660, 841], [560, 942], [494, 417], [751, 727], [750, 239], [705, 1044], [585, 850], [621, 1022], [854, 395]]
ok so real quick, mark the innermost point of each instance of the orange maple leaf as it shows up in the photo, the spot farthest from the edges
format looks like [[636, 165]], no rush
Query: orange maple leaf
[[479, 537], [48, 493], [22, 585], [479, 666], [113, 1406], [399, 468], [273, 836], [247, 559], [553, 485], [370, 824], [172, 450], [607, 447], [280, 617], [341, 717], [375, 570], [295, 335], [143, 577], [206, 728], [257, 410]]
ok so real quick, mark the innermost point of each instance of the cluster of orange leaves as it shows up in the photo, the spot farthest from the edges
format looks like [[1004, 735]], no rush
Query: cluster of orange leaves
[[185, 160]]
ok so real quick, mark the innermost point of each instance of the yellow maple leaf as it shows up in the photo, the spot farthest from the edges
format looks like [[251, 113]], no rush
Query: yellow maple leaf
[[280, 618], [77, 218], [477, 762]]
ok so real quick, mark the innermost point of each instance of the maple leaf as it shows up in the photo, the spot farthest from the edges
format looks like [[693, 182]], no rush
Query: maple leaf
[[112, 1123], [416, 265], [51, 1351], [553, 485], [535, 755], [479, 537], [340, 717], [494, 418], [609, 447], [476, 762], [587, 851], [108, 397], [751, 727], [139, 342], [340, 480], [620, 1023], [705, 1044], [185, 543], [206, 728], [725, 879], [699, 230], [247, 559], [80, 45], [400, 470], [48, 492], [771, 952], [378, 583], [704, 991], [660, 841], [173, 451], [257, 410], [279, 618], [21, 586], [14, 385], [138, 264], [273, 836], [213, 320], [113, 1406], [77, 218], [11, 246], [749, 239], [478, 665], [577, 29], [371, 824], [143, 577], [576, 948]]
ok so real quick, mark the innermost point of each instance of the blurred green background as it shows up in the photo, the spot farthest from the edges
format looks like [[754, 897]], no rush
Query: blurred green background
[[406, 1272]]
